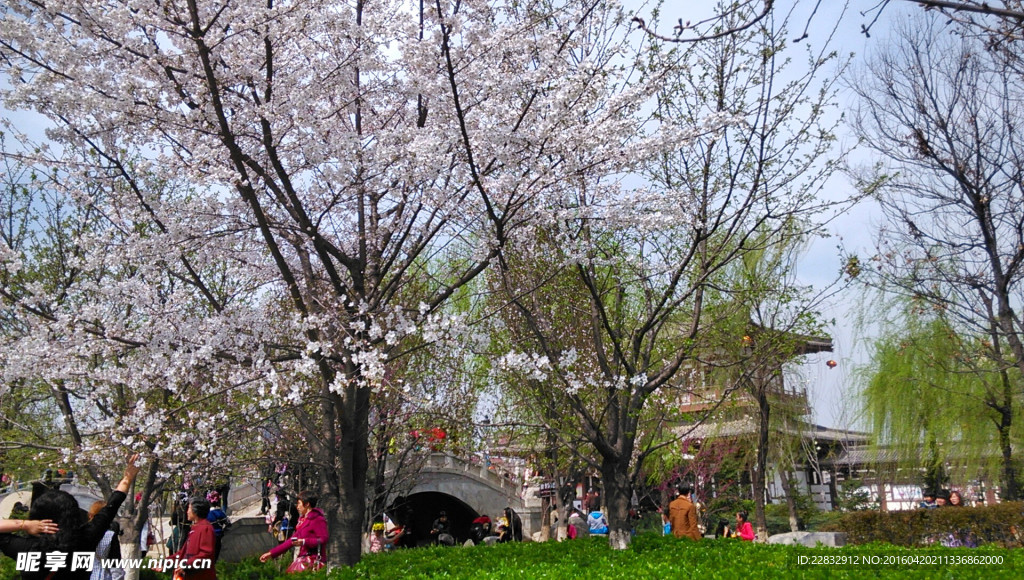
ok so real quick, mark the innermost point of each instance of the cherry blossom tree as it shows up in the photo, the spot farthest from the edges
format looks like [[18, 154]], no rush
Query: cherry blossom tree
[[346, 169], [88, 297], [31, 441]]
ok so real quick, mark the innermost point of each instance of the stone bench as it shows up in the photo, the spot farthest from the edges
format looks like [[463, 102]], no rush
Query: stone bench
[[810, 539]]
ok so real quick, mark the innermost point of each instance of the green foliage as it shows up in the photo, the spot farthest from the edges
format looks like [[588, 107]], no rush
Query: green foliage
[[937, 397], [649, 556], [998, 524], [853, 497], [253, 569], [248, 569], [776, 515], [724, 508]]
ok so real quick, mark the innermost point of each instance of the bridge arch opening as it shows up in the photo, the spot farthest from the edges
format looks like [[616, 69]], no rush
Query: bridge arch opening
[[421, 509]]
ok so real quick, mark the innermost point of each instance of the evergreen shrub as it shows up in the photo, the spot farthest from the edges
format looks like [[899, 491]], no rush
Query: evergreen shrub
[[1000, 525]]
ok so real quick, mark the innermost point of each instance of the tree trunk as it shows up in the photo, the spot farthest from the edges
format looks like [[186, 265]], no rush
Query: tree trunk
[[377, 504], [788, 488], [344, 547], [130, 550], [1009, 491], [761, 464], [346, 485], [883, 497], [131, 547], [552, 502], [617, 494], [833, 489], [558, 506]]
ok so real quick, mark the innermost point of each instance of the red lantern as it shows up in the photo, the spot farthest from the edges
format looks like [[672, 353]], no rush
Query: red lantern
[[831, 364]]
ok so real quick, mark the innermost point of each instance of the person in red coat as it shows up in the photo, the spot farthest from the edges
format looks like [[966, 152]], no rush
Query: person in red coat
[[310, 536], [744, 530], [196, 554]]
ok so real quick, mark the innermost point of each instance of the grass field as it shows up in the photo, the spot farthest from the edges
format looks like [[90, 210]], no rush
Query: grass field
[[652, 557], [656, 557]]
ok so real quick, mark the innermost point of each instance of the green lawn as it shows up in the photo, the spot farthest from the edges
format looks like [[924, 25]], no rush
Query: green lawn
[[649, 557], [656, 557]]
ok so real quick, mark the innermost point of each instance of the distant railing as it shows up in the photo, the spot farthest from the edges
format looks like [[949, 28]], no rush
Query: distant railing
[[713, 394], [503, 478], [16, 486]]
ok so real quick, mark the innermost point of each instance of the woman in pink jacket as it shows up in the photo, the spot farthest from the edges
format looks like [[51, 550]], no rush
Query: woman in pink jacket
[[744, 530], [310, 537]]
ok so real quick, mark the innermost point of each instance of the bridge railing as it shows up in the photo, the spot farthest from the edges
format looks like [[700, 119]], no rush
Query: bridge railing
[[505, 479]]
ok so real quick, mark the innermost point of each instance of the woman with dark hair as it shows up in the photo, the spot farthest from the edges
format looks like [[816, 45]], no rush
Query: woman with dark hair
[[310, 537], [196, 555], [74, 533], [744, 530]]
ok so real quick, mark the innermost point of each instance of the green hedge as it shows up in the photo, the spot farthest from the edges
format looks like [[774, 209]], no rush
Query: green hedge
[[993, 524]]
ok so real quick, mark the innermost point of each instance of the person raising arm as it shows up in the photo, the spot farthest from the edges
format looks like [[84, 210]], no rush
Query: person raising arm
[[30, 527]]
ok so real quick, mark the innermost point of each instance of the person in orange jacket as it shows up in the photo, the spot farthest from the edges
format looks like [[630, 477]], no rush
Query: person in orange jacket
[[682, 514]]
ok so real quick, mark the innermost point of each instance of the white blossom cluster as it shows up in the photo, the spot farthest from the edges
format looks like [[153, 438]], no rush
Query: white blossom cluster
[[284, 198]]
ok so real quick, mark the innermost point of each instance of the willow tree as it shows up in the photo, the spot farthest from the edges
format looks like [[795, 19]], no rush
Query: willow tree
[[940, 398], [941, 113], [779, 320], [999, 21]]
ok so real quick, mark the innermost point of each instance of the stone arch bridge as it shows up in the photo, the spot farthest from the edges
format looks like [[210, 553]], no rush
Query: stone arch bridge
[[464, 490]]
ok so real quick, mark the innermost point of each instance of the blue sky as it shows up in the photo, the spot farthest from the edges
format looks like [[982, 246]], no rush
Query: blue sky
[[832, 391]]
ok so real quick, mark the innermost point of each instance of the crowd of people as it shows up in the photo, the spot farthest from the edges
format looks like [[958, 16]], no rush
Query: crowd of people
[[49, 542], [55, 524], [942, 498], [387, 534], [679, 518]]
